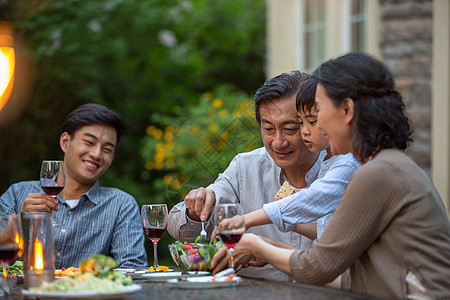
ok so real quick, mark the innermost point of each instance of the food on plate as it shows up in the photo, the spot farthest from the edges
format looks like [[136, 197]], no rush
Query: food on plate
[[98, 264], [95, 274], [229, 278], [16, 268], [285, 190], [196, 256], [160, 269], [66, 272]]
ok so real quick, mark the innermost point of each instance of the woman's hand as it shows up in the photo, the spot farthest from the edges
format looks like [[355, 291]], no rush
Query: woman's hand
[[243, 255]]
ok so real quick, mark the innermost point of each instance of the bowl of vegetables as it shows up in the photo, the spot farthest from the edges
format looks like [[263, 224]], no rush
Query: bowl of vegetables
[[196, 256]]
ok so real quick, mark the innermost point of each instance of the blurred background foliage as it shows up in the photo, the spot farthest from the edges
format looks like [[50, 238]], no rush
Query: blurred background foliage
[[193, 147], [181, 73]]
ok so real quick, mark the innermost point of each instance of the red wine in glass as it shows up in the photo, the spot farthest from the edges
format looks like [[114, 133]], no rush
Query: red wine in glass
[[53, 190], [230, 239], [11, 245], [154, 222], [52, 180], [230, 224], [8, 254], [154, 234]]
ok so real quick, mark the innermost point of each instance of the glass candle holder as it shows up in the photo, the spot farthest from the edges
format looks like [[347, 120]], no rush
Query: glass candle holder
[[39, 254]]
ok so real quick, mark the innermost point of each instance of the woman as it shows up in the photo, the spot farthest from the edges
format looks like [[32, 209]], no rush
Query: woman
[[390, 228]]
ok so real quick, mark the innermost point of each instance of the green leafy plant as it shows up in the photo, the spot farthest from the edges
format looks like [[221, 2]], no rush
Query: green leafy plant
[[192, 148]]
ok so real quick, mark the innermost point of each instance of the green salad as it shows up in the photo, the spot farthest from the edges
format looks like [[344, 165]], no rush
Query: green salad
[[16, 268], [196, 256], [96, 274]]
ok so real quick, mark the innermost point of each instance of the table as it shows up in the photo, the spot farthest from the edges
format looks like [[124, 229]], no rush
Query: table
[[248, 289]]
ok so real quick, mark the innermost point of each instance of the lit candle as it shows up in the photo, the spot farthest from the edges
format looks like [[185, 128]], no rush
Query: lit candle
[[38, 257], [19, 242]]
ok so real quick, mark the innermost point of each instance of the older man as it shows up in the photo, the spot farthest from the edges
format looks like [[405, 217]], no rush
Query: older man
[[254, 178]]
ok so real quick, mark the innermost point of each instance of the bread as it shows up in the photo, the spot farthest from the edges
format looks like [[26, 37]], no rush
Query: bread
[[285, 190]]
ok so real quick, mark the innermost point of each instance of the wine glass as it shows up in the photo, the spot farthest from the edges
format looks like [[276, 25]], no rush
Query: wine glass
[[154, 222], [53, 180], [230, 226], [11, 245]]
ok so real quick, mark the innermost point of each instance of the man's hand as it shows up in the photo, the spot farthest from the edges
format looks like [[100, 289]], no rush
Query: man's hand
[[40, 202], [200, 204]]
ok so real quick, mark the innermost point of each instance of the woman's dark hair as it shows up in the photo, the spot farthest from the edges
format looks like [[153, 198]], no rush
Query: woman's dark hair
[[90, 114], [306, 96], [380, 121], [281, 86]]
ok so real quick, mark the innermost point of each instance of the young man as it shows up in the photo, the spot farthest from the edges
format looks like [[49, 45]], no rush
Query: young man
[[254, 178], [96, 219]]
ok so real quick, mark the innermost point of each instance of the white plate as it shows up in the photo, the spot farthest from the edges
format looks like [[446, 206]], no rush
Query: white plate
[[134, 273], [203, 282], [128, 289], [163, 276]]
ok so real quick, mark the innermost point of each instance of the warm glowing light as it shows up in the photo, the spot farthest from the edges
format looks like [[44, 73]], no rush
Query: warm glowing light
[[19, 243], [7, 62], [38, 256]]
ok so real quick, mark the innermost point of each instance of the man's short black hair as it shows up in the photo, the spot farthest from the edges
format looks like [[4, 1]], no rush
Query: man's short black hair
[[91, 114], [281, 86]]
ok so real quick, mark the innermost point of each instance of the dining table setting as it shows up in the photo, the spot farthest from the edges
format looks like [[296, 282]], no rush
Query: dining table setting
[[99, 277]]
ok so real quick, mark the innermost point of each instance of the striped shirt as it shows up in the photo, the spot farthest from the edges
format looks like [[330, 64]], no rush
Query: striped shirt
[[105, 221], [251, 179], [319, 200]]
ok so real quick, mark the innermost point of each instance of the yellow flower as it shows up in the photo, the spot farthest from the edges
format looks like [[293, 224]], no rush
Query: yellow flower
[[207, 96], [223, 114], [213, 127], [169, 146], [249, 148], [221, 145], [157, 133], [159, 165], [195, 129], [159, 148], [150, 129], [236, 114], [176, 184], [167, 179], [149, 165], [206, 137], [224, 136], [217, 103], [168, 135]]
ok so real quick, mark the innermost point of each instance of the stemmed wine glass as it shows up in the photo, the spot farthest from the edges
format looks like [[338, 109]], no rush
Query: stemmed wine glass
[[230, 226], [53, 180], [154, 222], [11, 244]]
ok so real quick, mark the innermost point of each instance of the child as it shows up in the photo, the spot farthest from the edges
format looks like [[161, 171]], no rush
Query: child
[[320, 199]]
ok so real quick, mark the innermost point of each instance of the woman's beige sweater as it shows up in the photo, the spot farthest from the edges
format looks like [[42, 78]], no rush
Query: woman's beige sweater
[[390, 221]]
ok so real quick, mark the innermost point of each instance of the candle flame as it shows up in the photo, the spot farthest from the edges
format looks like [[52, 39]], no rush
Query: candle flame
[[38, 256], [19, 243]]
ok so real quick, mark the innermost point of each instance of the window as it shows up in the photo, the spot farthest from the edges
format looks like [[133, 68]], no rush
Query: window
[[329, 28]]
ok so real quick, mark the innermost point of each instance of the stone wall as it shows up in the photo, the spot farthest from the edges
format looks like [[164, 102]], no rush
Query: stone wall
[[406, 46]]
